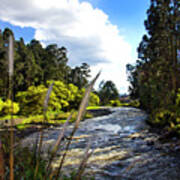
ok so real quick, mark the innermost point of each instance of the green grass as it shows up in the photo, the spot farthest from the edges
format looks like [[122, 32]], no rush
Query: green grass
[[53, 118], [7, 117], [95, 107]]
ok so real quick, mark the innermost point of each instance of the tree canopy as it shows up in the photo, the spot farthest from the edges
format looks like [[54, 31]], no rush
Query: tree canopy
[[36, 65], [155, 77], [107, 91]]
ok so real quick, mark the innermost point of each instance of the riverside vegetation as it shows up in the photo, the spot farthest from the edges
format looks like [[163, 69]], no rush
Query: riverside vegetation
[[27, 164], [44, 99], [35, 68], [155, 78], [155, 87]]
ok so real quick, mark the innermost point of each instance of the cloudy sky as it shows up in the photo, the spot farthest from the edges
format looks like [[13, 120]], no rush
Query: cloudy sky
[[102, 33]]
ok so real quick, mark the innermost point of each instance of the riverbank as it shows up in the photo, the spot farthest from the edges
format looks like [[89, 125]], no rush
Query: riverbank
[[124, 148], [33, 125]]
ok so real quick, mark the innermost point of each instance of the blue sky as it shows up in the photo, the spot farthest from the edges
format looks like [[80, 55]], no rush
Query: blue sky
[[129, 15], [103, 33]]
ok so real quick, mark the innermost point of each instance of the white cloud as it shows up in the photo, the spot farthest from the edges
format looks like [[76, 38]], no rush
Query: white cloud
[[86, 32]]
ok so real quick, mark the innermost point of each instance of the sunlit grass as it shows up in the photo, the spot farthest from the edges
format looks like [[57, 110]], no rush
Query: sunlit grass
[[96, 107], [7, 117]]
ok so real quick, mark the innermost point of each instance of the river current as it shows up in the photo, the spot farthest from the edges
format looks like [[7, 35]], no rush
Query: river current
[[124, 148]]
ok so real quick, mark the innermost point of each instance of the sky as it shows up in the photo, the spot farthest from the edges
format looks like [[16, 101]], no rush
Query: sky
[[103, 33]]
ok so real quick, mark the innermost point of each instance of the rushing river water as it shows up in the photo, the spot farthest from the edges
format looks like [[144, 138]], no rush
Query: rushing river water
[[124, 148]]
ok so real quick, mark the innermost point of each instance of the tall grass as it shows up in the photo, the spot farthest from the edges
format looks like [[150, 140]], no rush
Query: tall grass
[[11, 68], [82, 166], [35, 168], [81, 112], [46, 101]]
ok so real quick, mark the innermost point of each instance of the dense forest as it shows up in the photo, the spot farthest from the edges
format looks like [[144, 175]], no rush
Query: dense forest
[[35, 65], [155, 76], [35, 69]]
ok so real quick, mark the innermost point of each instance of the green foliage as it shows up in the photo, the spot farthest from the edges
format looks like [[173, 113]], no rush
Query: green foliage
[[93, 107], [63, 97], [1, 105], [155, 76], [35, 65], [34, 68], [134, 103], [163, 117], [178, 99], [32, 100], [61, 94], [8, 107], [94, 99], [79, 75], [118, 103], [107, 91], [53, 117], [25, 159], [115, 103], [169, 117]]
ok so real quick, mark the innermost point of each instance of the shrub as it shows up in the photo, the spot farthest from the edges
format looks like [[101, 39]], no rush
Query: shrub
[[1, 105], [63, 97], [61, 94], [135, 103], [8, 107], [73, 92], [163, 117], [77, 95], [32, 100], [115, 103], [94, 99]]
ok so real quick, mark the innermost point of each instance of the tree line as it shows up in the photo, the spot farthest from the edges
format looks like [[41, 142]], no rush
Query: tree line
[[155, 78], [35, 67]]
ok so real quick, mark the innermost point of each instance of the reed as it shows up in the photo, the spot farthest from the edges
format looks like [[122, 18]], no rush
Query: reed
[[83, 163], [36, 157], [46, 101], [11, 69], [81, 112], [58, 142]]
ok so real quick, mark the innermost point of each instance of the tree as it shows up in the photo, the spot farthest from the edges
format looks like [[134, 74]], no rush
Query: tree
[[107, 92], [154, 78], [26, 68], [33, 64], [79, 75], [55, 63], [3, 69]]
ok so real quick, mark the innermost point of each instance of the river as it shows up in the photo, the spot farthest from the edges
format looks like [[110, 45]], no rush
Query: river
[[124, 148]]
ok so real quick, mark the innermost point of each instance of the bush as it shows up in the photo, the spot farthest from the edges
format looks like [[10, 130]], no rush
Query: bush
[[163, 117], [77, 95], [61, 94], [63, 98], [8, 107], [1, 105], [115, 103], [32, 100], [135, 103], [94, 99]]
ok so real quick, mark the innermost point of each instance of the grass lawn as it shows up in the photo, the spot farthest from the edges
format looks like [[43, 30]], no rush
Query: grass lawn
[[53, 118]]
